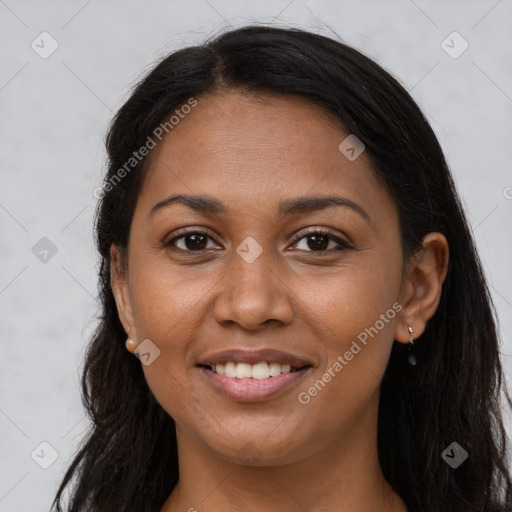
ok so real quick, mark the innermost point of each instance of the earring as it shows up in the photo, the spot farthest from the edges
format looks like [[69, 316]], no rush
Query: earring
[[131, 345], [411, 358]]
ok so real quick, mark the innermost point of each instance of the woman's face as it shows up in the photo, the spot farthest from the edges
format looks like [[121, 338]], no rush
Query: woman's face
[[257, 278]]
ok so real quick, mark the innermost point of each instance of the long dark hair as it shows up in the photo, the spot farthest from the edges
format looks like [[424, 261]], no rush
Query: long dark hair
[[129, 461]]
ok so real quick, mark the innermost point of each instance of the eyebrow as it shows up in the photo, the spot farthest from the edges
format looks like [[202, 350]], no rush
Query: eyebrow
[[209, 205]]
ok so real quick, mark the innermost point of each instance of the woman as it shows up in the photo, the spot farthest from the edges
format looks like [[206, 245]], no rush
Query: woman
[[283, 249]]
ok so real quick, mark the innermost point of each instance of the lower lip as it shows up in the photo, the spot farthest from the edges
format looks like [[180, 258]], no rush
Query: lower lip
[[253, 390]]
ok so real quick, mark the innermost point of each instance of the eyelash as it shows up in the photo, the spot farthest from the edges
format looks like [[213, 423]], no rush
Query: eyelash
[[343, 245]]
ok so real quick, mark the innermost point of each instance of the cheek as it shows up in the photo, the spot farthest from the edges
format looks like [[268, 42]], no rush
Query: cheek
[[166, 301], [169, 309], [356, 314], [347, 303]]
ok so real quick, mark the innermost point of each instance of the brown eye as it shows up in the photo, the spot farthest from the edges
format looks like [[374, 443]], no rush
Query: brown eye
[[190, 242], [322, 241]]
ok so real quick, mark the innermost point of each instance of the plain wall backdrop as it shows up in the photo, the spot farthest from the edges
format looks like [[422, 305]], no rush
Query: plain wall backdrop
[[68, 66]]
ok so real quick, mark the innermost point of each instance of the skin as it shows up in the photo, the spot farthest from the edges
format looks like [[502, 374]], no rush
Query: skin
[[250, 152]]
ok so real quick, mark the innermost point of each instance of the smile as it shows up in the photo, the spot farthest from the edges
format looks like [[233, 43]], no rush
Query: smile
[[262, 370], [245, 382]]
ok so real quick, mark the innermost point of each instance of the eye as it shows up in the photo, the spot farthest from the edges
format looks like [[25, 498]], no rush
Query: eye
[[321, 241], [193, 241]]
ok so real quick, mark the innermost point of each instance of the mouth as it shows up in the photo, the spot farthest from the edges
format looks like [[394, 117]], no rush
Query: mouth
[[253, 377], [259, 371]]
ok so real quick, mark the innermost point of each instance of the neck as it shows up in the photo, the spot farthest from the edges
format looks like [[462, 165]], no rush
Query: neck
[[343, 476]]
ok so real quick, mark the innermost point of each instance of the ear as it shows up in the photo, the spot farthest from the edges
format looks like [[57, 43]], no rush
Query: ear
[[422, 287], [120, 289]]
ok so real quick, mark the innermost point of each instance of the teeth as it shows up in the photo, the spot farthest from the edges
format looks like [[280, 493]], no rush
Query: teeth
[[275, 369], [243, 371], [229, 369], [262, 370]]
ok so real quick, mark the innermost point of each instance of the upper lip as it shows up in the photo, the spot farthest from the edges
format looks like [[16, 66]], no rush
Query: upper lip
[[253, 357]]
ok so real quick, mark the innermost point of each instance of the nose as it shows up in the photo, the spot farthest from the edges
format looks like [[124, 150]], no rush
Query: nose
[[253, 294]]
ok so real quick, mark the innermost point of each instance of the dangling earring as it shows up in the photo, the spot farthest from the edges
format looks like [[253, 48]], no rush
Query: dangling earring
[[131, 345], [411, 358]]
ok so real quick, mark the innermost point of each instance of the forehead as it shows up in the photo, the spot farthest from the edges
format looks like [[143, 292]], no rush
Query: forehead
[[245, 123], [254, 149]]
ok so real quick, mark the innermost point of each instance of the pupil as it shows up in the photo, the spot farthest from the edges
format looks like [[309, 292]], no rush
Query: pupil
[[198, 241], [320, 241]]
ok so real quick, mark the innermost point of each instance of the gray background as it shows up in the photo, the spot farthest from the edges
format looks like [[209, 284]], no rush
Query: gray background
[[54, 115]]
